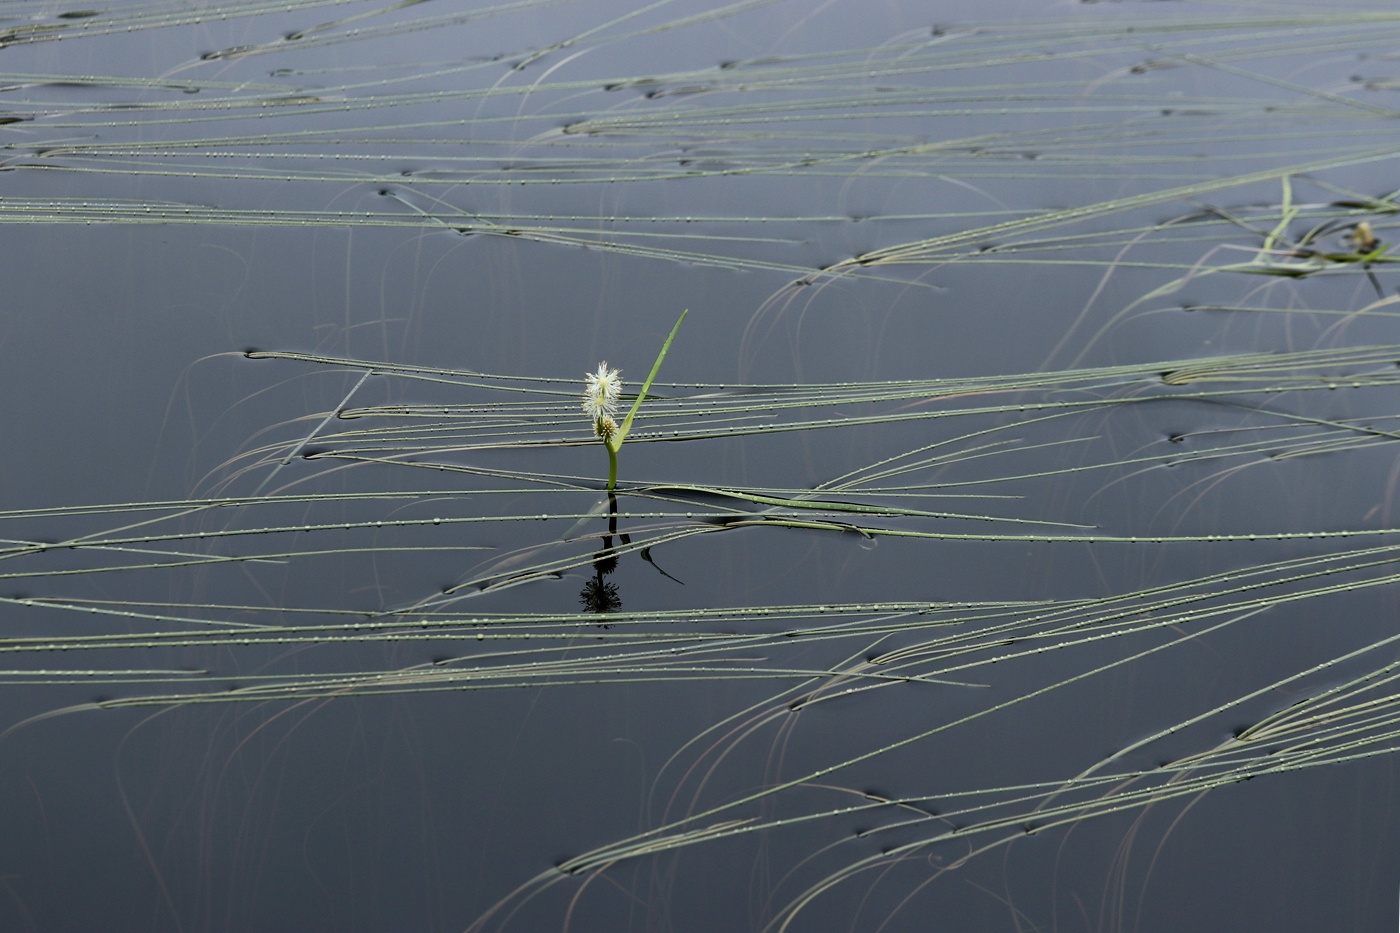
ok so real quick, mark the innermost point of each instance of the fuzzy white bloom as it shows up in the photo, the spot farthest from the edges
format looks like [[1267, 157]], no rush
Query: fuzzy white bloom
[[601, 392]]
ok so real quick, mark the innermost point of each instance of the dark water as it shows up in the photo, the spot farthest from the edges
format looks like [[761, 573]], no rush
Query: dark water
[[522, 191]]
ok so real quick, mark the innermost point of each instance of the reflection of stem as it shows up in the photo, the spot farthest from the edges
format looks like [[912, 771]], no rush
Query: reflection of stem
[[598, 594]]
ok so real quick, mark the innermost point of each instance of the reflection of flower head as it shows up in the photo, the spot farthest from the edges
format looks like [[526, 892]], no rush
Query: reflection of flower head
[[599, 595], [601, 393]]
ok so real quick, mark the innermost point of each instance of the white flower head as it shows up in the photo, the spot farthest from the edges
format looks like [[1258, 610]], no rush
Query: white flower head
[[601, 392]]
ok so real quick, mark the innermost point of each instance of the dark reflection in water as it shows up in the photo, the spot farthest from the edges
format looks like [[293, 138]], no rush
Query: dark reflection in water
[[599, 594]]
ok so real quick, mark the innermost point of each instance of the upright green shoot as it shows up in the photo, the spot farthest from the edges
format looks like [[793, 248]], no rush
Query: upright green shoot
[[600, 395]]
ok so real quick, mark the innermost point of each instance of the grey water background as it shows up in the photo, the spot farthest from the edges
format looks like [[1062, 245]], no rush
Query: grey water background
[[128, 382]]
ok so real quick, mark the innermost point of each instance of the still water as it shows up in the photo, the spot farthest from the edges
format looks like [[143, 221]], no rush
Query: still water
[[1005, 544]]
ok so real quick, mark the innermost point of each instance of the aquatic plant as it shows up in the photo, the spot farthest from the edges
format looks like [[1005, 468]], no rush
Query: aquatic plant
[[1179, 472], [601, 392]]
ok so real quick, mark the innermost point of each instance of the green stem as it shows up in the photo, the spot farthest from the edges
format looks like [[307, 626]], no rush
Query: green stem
[[621, 434], [613, 442]]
